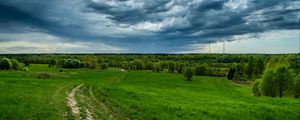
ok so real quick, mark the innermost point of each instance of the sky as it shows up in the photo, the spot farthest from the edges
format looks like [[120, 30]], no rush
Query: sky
[[149, 26]]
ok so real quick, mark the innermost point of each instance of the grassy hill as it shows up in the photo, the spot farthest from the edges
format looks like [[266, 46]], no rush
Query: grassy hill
[[117, 94]]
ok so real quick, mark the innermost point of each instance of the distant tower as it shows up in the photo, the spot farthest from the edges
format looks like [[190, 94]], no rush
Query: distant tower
[[224, 47], [209, 47]]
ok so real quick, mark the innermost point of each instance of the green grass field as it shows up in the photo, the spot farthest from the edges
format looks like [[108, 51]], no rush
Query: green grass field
[[116, 94]]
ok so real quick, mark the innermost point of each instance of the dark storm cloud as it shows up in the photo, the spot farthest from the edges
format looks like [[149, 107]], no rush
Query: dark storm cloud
[[164, 24]]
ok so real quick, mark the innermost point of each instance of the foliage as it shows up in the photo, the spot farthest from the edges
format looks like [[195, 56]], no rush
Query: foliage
[[15, 64], [250, 68], [137, 65], [268, 85], [148, 65], [25, 69], [188, 73], [72, 63], [297, 86], [171, 66], [283, 79], [180, 67], [200, 70], [5, 64], [231, 72], [255, 88], [52, 63], [157, 67], [103, 66], [259, 68]]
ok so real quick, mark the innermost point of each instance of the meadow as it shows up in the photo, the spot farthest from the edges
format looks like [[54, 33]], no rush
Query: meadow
[[117, 94]]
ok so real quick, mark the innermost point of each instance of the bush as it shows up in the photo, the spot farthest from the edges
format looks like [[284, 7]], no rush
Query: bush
[[268, 84], [231, 73], [157, 67], [200, 70], [137, 65], [5, 64], [149, 65], [283, 79], [26, 62], [82, 64], [104, 66], [72, 63], [15, 64], [255, 88], [25, 69], [171, 66], [52, 62], [188, 73], [297, 86], [180, 67]]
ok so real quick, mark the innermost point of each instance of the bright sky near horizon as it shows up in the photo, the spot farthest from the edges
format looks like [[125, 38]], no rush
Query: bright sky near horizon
[[149, 26]]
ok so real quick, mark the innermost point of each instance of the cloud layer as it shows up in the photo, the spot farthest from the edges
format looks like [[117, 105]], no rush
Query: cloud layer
[[140, 25]]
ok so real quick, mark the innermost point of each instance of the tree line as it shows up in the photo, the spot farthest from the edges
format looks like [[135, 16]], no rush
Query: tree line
[[271, 75]]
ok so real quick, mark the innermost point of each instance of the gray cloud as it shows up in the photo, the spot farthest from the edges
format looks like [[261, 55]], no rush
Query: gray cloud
[[150, 25]]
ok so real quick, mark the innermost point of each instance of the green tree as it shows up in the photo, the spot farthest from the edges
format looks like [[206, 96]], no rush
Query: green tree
[[259, 68], [188, 73], [104, 66], [149, 65], [231, 72], [26, 62], [137, 65], [250, 68], [15, 64], [5, 64], [283, 79], [157, 67], [200, 70], [268, 85], [297, 86], [52, 62], [255, 88], [71, 63], [171, 66], [180, 67]]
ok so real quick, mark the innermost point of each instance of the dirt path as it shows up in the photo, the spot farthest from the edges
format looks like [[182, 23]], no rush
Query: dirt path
[[72, 102], [84, 105]]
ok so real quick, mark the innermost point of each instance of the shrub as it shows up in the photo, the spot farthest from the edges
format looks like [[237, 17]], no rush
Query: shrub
[[82, 64], [137, 65], [268, 84], [231, 73], [283, 79], [71, 63], [26, 62], [255, 88], [5, 64], [52, 62], [25, 69], [104, 66], [297, 86], [171, 66], [149, 65], [15, 64], [188, 73], [200, 70], [157, 67], [180, 67]]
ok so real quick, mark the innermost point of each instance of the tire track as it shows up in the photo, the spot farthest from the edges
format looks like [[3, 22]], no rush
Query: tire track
[[72, 102]]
